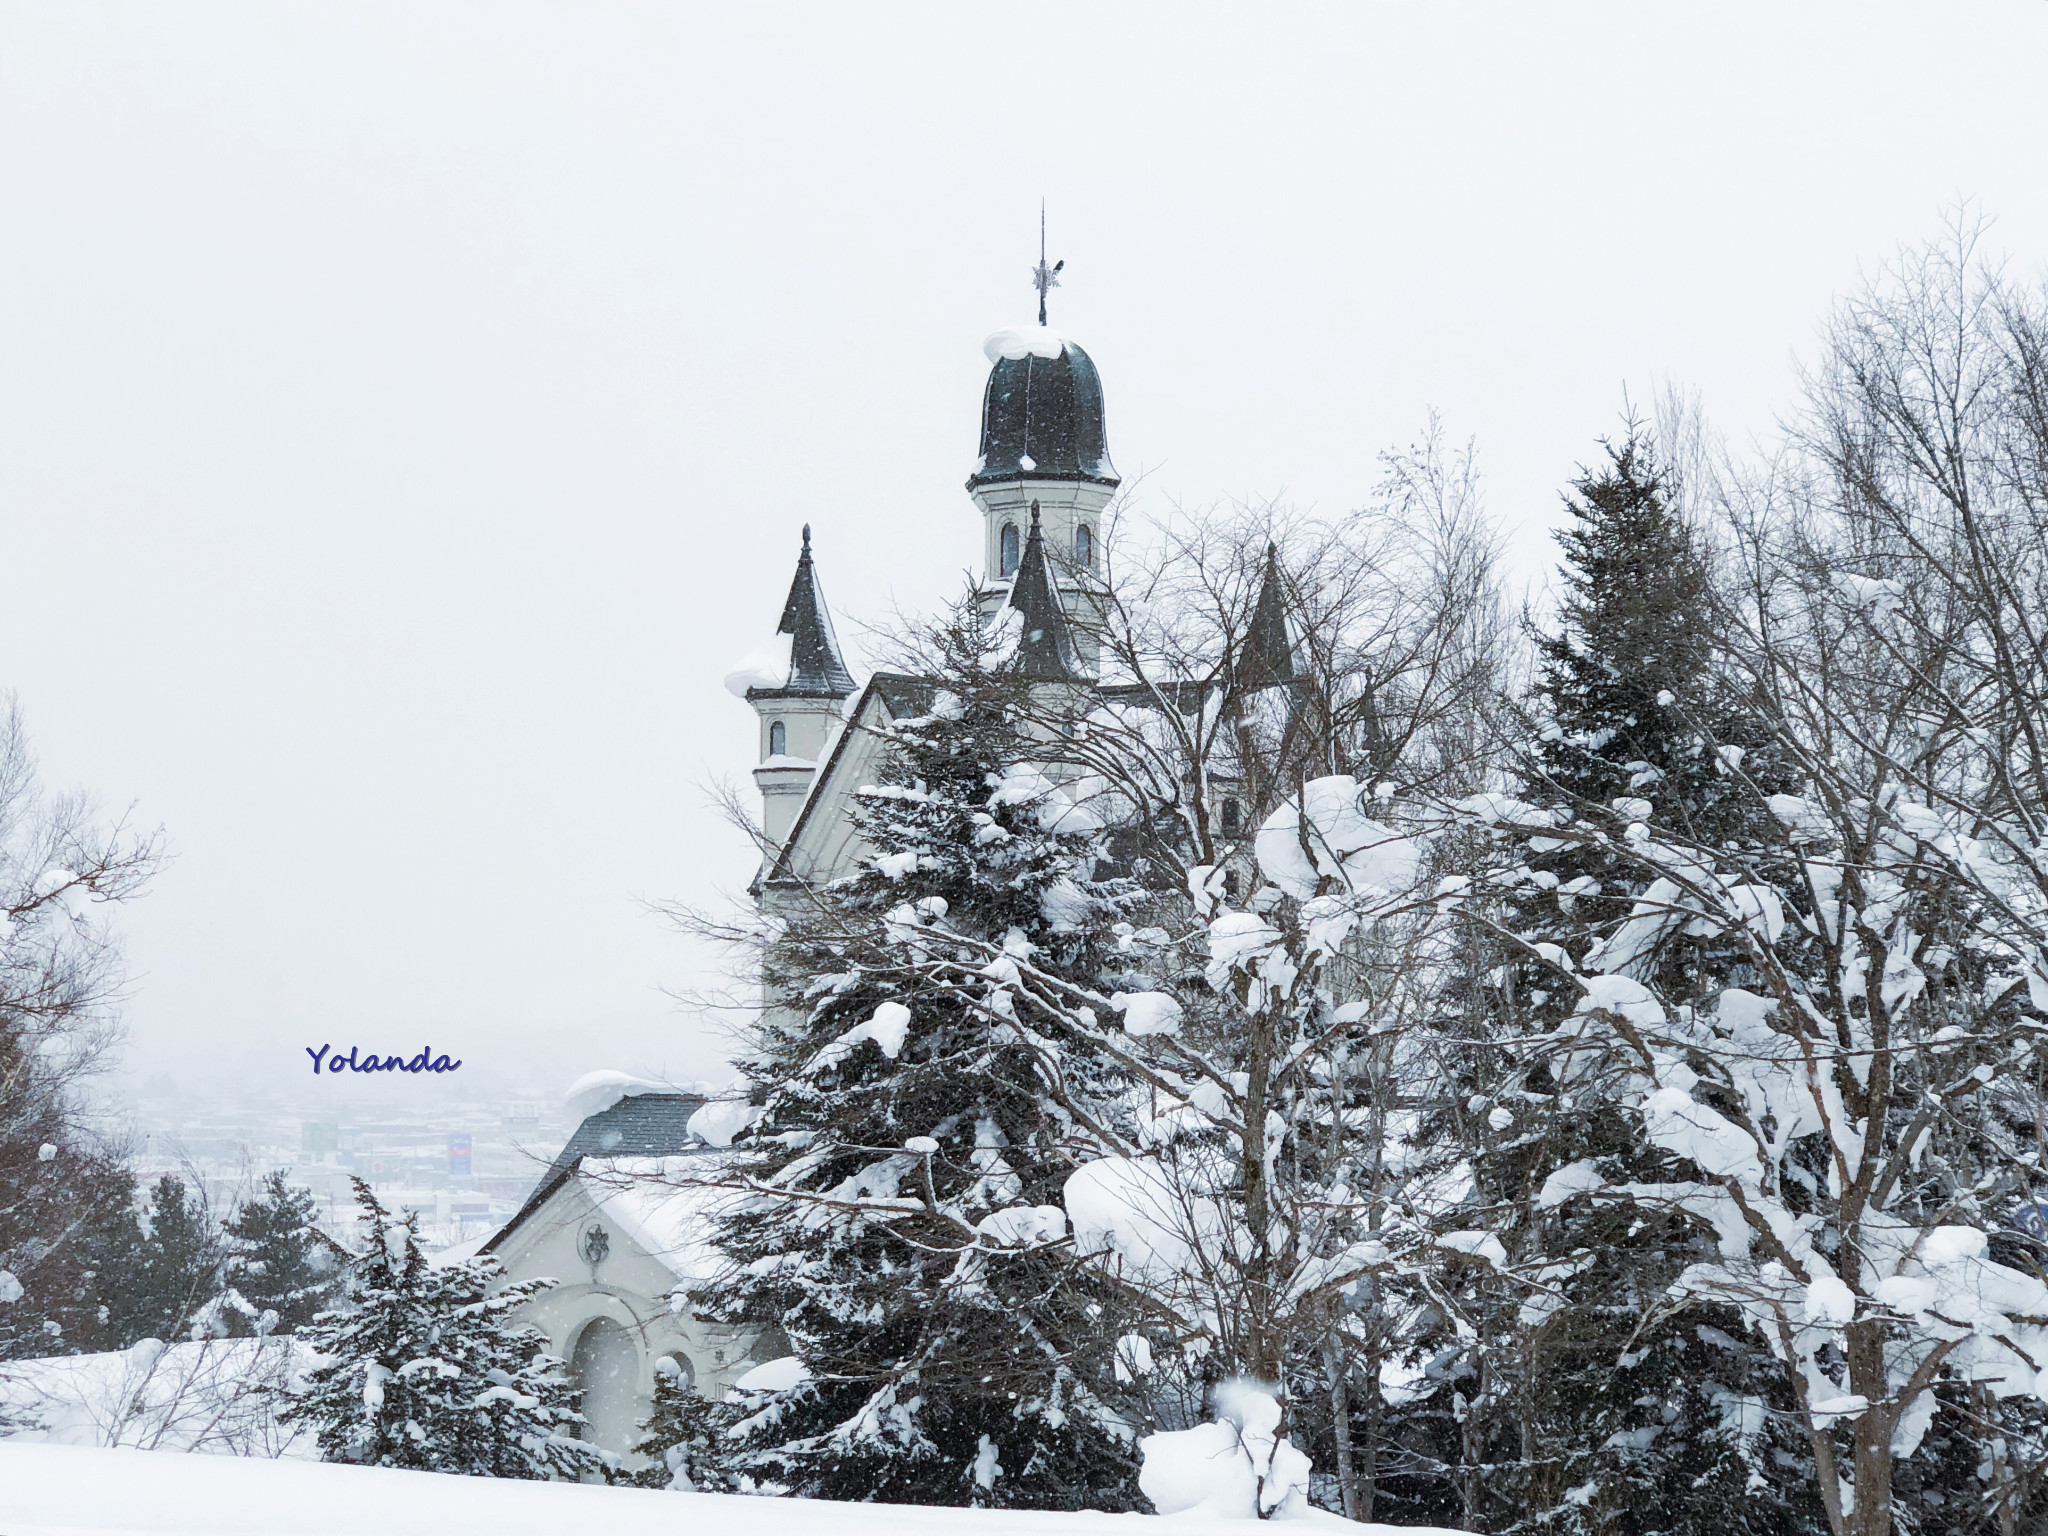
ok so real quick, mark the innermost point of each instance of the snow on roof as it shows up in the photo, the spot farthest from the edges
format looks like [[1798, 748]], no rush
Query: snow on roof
[[460, 1251], [766, 667], [595, 1092], [1020, 341], [653, 1202], [802, 658]]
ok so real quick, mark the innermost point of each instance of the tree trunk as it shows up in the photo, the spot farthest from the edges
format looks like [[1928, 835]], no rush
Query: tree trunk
[[1340, 1421], [1863, 1345], [1369, 1467], [1265, 1345]]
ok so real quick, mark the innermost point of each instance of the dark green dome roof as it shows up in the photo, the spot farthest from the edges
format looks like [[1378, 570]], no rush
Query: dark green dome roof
[[1041, 416]]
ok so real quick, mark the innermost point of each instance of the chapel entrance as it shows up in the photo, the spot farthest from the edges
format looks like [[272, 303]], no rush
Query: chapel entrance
[[606, 1366]]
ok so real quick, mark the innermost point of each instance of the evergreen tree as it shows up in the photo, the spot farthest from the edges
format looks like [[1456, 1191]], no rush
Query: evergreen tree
[[177, 1264], [683, 1437], [913, 1250], [278, 1261], [66, 1199], [1619, 1421], [68, 1237], [423, 1368]]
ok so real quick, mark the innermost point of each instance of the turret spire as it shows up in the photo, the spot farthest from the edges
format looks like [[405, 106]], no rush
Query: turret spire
[[1044, 278], [1267, 660], [816, 668], [1045, 644]]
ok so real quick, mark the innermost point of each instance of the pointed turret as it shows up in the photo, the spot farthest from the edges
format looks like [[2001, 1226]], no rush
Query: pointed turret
[[1267, 660], [816, 670], [796, 683], [1045, 641]]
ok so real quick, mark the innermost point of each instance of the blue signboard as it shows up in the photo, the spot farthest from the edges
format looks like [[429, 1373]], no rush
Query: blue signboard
[[458, 1155]]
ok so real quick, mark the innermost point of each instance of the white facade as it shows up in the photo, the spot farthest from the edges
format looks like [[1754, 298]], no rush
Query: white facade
[[620, 1236], [1070, 515]]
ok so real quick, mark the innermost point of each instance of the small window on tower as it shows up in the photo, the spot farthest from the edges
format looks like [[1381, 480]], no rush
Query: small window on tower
[[1233, 818], [1009, 549], [1084, 547], [778, 738]]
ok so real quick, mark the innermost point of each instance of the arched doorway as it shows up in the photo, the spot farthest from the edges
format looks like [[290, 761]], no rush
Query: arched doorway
[[606, 1366]]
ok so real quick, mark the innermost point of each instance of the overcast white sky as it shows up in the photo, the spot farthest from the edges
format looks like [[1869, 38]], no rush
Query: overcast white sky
[[407, 411]]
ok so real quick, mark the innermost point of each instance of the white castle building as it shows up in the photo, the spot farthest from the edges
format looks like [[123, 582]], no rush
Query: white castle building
[[1041, 485], [608, 1220]]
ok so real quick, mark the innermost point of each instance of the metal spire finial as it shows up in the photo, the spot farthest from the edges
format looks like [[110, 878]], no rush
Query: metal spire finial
[[807, 538], [1044, 278]]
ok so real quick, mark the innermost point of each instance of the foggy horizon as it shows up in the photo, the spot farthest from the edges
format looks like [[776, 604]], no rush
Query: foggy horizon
[[410, 414]]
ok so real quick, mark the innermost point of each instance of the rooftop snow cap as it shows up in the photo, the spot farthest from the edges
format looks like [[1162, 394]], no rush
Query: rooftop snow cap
[[815, 668], [1041, 416]]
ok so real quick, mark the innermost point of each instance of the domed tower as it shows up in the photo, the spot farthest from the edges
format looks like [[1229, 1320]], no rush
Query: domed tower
[[1043, 442]]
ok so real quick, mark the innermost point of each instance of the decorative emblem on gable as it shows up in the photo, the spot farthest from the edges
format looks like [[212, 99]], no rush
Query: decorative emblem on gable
[[595, 1245]]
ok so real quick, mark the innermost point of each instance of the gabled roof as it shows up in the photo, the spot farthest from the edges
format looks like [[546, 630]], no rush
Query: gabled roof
[[639, 1125], [816, 669], [1045, 643]]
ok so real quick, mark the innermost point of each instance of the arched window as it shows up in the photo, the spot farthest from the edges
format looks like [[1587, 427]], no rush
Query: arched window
[[1009, 549], [1233, 818], [1084, 547], [778, 738]]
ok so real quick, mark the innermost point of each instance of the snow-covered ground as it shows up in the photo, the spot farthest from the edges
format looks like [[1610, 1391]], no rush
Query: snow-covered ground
[[88, 1492]]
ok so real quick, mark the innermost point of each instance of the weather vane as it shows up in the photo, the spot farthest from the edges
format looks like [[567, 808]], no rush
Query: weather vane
[[1044, 278]]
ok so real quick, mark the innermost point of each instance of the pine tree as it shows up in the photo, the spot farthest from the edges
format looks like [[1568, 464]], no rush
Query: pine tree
[[424, 1370], [914, 1253], [279, 1262], [177, 1264], [682, 1438], [66, 1199], [1620, 1423], [68, 1236]]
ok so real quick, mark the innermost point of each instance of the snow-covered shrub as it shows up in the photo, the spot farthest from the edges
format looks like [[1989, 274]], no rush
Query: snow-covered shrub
[[213, 1395], [1238, 1466], [422, 1368]]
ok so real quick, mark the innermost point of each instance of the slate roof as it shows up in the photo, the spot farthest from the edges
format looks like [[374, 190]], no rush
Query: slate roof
[[816, 669], [1048, 410], [1045, 647], [639, 1125], [907, 697], [1267, 660]]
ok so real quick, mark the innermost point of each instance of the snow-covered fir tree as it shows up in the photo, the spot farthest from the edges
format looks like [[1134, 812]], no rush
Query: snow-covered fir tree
[[683, 1438], [178, 1262], [278, 1261], [423, 1369], [905, 1234], [1615, 1417]]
